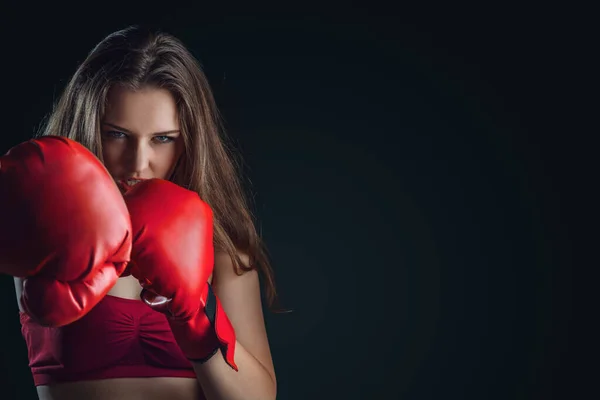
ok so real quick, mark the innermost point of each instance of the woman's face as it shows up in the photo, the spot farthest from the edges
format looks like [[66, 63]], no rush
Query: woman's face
[[140, 134]]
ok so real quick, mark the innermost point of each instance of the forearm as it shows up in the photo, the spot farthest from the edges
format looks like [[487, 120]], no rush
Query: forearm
[[251, 382]]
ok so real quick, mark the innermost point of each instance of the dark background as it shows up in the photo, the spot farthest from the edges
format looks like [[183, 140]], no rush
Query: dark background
[[417, 175]]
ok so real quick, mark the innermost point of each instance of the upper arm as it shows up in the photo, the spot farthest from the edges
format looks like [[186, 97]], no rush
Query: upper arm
[[241, 300], [18, 291]]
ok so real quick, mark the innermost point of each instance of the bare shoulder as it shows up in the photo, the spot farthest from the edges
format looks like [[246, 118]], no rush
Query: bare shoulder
[[224, 263], [239, 291], [230, 280], [18, 291]]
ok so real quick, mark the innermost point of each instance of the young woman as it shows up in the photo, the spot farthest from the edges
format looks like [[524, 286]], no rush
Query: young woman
[[142, 105]]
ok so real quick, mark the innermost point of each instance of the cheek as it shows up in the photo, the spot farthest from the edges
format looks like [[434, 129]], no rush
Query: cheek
[[168, 157], [111, 155]]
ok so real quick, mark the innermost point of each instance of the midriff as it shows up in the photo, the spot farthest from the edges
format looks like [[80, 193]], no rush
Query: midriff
[[124, 388]]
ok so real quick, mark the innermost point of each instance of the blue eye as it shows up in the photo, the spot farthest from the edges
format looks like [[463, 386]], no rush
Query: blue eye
[[163, 139], [115, 134]]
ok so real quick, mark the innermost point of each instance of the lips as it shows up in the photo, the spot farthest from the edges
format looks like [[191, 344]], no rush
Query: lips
[[128, 183], [133, 181]]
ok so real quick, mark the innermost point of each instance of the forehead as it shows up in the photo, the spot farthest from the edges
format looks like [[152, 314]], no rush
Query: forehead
[[145, 110]]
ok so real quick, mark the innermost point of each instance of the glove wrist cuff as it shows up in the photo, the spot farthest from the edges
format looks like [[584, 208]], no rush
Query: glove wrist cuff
[[221, 335], [209, 331]]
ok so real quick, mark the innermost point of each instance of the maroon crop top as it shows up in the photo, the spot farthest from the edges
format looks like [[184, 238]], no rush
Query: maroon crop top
[[118, 338]]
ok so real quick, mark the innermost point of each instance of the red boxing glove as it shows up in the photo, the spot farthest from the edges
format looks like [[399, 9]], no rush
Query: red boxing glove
[[65, 228], [173, 257]]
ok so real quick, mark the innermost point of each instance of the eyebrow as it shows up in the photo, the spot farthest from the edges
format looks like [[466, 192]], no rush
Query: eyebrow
[[128, 131]]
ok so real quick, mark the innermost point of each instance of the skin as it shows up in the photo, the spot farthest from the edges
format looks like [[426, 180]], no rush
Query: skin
[[140, 134], [141, 139]]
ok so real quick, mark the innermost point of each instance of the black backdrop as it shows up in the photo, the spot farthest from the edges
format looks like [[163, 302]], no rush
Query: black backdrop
[[413, 174]]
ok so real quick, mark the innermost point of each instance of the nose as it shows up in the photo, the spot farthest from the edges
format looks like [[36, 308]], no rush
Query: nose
[[139, 160]]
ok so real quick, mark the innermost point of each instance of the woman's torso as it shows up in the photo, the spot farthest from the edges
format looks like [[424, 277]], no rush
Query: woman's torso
[[155, 388], [124, 388]]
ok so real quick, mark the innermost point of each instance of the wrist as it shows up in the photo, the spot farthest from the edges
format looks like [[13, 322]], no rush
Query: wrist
[[206, 358]]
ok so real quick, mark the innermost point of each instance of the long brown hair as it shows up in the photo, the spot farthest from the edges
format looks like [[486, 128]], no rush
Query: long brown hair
[[136, 57]]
